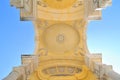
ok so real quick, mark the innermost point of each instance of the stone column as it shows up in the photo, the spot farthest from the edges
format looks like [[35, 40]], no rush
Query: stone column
[[14, 75], [113, 75]]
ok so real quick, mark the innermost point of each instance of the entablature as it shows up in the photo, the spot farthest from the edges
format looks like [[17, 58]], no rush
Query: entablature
[[94, 8], [34, 9]]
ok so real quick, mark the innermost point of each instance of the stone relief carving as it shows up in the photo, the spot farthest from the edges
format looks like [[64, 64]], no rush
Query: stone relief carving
[[101, 3], [42, 24], [78, 3], [27, 12], [17, 3], [43, 52], [79, 24], [28, 8], [41, 3], [79, 51], [96, 4]]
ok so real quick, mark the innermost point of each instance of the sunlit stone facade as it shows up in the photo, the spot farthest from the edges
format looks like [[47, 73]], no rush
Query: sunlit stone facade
[[61, 51]]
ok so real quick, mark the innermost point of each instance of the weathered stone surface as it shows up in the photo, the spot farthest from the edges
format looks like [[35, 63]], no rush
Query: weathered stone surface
[[61, 51]]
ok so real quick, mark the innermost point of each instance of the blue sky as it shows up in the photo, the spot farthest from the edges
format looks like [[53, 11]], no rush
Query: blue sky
[[17, 37]]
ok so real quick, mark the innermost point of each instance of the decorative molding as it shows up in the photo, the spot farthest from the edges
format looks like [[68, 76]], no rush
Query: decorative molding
[[79, 24], [78, 3], [79, 51], [43, 52], [75, 19], [42, 24], [102, 71], [17, 3], [27, 13], [28, 7], [41, 3]]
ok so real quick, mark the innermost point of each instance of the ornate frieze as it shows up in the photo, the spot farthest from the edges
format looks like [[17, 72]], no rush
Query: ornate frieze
[[61, 48], [30, 10]]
